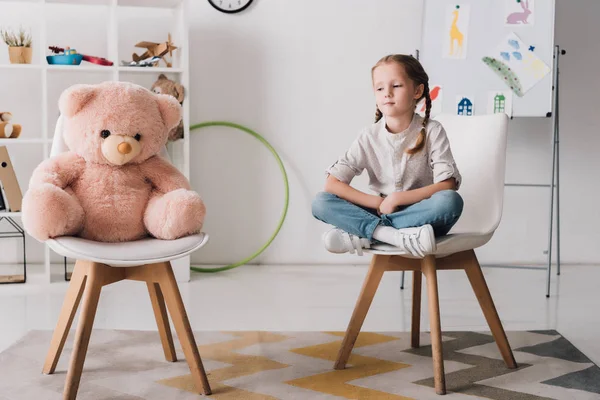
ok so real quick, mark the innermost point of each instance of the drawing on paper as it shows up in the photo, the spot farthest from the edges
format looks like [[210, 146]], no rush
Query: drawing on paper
[[519, 12], [457, 29], [464, 105], [499, 101], [435, 93], [516, 64]]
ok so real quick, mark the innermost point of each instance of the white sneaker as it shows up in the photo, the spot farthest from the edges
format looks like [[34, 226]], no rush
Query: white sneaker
[[418, 241], [339, 241]]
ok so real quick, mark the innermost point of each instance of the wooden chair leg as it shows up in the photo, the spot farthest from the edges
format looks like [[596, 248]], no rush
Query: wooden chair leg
[[376, 270], [430, 272], [162, 320], [416, 310], [95, 281], [67, 314], [170, 290], [480, 287]]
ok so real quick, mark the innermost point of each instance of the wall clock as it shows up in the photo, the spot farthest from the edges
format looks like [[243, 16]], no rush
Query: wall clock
[[230, 6]]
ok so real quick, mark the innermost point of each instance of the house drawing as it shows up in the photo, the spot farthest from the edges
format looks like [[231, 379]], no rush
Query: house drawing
[[465, 107]]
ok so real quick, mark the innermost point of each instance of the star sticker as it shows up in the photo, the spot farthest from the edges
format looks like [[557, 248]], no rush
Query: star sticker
[[531, 48]]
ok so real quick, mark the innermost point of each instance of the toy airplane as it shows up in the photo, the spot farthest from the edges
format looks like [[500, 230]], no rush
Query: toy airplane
[[155, 50], [147, 62]]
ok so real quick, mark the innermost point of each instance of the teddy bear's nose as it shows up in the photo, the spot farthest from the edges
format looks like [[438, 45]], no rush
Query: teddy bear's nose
[[124, 148]]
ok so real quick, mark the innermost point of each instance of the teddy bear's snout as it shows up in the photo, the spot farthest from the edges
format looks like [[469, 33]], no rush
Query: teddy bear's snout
[[120, 149], [124, 148]]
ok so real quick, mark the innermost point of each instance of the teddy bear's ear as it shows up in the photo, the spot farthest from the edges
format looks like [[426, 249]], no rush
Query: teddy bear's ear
[[179, 92], [170, 110], [75, 98], [162, 76]]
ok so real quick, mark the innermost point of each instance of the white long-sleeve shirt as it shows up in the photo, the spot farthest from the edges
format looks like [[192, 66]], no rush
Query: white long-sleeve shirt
[[390, 168]]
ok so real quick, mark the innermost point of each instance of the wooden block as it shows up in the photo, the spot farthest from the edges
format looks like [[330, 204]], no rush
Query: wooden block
[[9, 181], [12, 278]]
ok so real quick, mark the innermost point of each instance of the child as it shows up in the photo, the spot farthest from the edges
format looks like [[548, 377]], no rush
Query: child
[[411, 169]]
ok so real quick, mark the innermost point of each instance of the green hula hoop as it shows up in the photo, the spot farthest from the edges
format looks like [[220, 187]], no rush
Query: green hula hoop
[[285, 182]]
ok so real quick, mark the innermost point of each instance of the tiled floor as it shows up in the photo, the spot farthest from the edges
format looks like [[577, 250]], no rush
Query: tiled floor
[[317, 298]]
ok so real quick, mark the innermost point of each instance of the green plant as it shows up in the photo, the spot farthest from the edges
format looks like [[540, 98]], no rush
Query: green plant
[[20, 38]]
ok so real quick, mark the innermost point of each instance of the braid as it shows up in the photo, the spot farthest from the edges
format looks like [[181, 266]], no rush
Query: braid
[[378, 115], [421, 139]]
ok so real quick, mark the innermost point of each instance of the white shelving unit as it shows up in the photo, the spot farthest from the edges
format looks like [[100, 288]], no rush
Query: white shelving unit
[[120, 15]]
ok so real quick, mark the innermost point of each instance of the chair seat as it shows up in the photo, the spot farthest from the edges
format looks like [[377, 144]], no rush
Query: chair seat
[[127, 254], [446, 245]]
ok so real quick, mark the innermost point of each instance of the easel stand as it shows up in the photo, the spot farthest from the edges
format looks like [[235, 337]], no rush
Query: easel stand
[[555, 181], [554, 184]]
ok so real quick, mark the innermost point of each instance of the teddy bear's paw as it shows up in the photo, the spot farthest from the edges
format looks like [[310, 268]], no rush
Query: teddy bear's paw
[[176, 214], [49, 211]]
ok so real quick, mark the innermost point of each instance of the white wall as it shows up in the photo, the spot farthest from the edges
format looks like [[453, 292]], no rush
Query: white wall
[[297, 72]]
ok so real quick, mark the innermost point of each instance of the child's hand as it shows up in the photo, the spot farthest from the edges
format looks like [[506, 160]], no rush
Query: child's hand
[[392, 202], [388, 205]]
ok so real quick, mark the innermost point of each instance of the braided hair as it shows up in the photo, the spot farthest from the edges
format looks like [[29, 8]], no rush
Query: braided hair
[[417, 74]]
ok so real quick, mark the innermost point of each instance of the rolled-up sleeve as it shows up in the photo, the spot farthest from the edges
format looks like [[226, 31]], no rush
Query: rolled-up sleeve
[[350, 164], [441, 158]]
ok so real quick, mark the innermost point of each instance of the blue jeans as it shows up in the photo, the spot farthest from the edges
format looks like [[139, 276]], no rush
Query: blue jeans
[[441, 211]]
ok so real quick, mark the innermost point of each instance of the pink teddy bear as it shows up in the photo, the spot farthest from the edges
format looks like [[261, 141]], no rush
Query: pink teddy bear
[[112, 185]]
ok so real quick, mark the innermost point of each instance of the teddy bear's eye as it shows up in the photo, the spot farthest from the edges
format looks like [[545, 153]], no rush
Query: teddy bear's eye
[[138, 137], [105, 133]]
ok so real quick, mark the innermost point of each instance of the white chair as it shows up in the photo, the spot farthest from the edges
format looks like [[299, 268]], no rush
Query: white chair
[[99, 264], [479, 147]]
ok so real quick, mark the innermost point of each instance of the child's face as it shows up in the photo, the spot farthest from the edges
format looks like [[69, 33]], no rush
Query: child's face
[[395, 93]]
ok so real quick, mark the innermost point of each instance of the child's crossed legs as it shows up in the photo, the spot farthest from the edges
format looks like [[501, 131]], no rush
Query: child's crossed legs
[[441, 211]]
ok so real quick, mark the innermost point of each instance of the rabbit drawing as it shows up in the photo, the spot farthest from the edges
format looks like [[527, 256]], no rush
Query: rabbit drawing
[[521, 17]]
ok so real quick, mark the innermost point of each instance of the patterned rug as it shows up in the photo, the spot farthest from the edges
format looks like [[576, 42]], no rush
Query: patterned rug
[[129, 365]]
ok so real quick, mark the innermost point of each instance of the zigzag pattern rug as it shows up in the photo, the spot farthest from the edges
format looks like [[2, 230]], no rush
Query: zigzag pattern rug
[[128, 365]]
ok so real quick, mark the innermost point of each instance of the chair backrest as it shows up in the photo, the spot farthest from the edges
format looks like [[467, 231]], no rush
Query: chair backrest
[[479, 147], [59, 145]]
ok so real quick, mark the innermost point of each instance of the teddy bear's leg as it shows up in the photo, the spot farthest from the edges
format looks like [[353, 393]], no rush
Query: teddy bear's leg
[[49, 211], [16, 131], [174, 214]]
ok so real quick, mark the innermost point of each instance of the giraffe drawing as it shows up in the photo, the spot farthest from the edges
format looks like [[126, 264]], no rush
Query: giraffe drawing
[[455, 36]]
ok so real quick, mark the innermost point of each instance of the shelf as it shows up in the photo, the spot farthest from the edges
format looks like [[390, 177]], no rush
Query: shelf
[[149, 3], [83, 67], [10, 214], [24, 141], [106, 28], [88, 68], [81, 2], [92, 68], [150, 70], [120, 3], [20, 66]]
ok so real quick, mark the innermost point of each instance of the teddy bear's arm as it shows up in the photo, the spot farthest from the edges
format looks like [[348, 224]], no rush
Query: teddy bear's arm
[[50, 208], [59, 171], [163, 175]]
